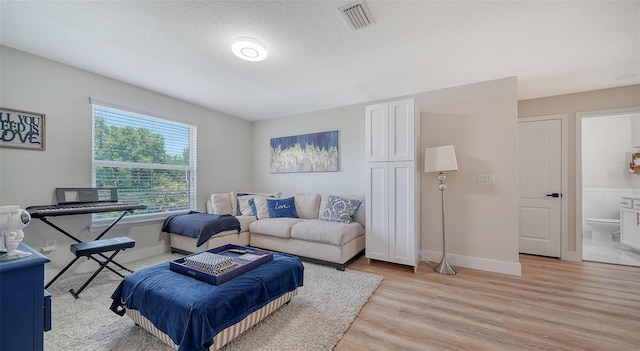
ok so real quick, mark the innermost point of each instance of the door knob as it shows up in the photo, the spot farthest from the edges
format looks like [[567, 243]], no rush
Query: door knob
[[554, 195]]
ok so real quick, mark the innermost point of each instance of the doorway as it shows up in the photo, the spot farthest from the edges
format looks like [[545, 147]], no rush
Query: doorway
[[604, 143]]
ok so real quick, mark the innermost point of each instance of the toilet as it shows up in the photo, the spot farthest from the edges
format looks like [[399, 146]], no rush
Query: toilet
[[604, 229]]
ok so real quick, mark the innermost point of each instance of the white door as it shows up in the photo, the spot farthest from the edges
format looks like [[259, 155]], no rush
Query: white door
[[540, 162]]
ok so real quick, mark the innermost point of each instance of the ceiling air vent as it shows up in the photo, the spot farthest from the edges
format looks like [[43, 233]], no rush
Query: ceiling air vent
[[357, 15]]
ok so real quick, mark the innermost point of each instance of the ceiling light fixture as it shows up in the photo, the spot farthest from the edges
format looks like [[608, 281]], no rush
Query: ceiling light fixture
[[249, 49]]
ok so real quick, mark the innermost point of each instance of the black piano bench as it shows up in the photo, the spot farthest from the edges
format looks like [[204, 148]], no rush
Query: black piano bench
[[97, 247]]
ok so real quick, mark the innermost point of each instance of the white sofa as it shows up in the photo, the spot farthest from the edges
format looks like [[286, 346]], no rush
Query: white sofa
[[309, 236]]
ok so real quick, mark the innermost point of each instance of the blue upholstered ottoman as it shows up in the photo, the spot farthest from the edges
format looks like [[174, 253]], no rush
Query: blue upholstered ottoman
[[189, 314]]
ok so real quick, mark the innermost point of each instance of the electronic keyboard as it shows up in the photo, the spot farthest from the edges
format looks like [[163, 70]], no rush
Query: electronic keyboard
[[82, 208]]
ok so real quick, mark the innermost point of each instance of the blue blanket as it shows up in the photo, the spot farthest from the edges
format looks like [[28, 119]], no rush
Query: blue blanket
[[192, 312], [200, 225]]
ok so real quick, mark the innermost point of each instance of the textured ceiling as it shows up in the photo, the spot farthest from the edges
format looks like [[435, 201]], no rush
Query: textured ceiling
[[182, 48]]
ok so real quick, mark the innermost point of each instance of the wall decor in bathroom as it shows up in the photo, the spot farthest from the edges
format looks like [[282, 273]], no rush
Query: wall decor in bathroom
[[21, 129], [634, 166], [315, 152]]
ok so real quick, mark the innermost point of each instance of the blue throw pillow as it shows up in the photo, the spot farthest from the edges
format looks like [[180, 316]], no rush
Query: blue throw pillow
[[279, 208], [252, 203], [339, 209]]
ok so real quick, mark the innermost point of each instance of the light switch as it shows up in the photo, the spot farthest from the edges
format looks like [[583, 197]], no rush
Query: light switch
[[486, 179]]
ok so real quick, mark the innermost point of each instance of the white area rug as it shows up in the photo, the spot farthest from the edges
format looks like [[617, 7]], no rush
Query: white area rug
[[315, 319]]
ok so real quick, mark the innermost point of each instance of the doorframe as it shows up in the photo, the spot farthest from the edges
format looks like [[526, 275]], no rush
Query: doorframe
[[565, 254], [578, 163]]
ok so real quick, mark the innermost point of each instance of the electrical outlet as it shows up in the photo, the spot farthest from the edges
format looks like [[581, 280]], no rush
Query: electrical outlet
[[49, 245], [486, 179]]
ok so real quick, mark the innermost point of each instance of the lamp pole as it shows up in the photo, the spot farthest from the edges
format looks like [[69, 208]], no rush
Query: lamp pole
[[443, 267]]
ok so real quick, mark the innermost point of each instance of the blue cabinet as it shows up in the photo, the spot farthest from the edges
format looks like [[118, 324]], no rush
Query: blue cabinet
[[25, 307]]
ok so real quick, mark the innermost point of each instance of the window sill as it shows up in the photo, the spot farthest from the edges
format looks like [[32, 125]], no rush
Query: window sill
[[99, 226], [133, 221]]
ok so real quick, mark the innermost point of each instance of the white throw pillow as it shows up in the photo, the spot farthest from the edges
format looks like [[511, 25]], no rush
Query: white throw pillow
[[235, 200], [260, 203], [245, 207]]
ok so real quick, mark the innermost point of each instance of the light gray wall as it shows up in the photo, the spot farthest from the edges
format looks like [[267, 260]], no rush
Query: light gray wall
[[61, 92], [479, 119], [571, 104], [606, 152], [635, 132], [348, 121]]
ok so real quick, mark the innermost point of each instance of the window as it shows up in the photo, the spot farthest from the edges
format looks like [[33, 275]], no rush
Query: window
[[149, 159]]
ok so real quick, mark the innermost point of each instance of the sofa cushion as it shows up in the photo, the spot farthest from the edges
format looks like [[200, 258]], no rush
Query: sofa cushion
[[339, 209], [307, 205], [280, 227], [335, 233], [221, 203], [282, 208], [245, 221]]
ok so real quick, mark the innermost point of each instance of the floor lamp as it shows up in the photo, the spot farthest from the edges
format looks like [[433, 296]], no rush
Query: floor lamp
[[441, 159]]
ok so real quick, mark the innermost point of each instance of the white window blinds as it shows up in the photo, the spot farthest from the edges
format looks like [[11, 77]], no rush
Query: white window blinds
[[149, 159]]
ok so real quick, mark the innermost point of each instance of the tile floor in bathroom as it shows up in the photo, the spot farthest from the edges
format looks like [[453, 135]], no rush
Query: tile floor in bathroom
[[608, 252]]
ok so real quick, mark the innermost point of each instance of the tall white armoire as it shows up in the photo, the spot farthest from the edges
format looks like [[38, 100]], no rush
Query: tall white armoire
[[393, 182]]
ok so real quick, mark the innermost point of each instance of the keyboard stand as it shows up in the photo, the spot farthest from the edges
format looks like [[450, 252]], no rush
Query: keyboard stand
[[54, 226]]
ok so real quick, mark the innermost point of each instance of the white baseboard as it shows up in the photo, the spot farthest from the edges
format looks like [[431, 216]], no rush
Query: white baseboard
[[484, 264], [132, 255], [572, 256]]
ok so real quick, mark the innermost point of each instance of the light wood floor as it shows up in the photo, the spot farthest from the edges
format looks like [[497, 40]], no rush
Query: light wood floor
[[554, 305]]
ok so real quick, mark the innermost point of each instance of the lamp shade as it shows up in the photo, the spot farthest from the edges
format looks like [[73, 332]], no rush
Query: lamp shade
[[440, 159]]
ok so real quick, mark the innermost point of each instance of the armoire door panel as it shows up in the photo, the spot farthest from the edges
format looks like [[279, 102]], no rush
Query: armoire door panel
[[401, 131], [401, 212], [377, 207], [377, 129]]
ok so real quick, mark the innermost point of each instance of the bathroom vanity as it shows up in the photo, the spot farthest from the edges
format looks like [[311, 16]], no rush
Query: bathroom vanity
[[630, 221]]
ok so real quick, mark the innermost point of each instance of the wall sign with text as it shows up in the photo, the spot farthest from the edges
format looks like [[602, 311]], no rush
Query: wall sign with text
[[21, 129]]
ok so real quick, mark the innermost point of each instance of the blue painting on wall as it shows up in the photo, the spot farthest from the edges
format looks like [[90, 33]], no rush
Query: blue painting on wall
[[316, 152]]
